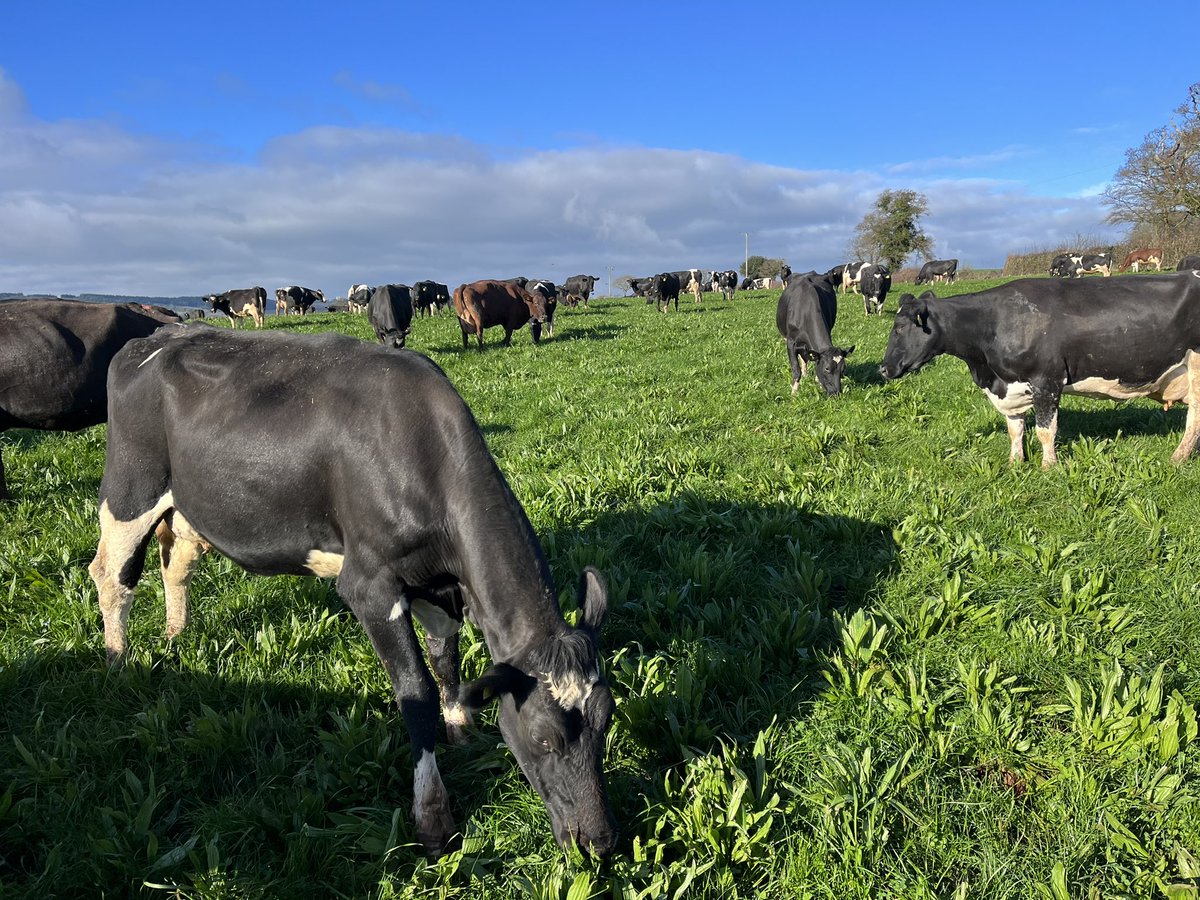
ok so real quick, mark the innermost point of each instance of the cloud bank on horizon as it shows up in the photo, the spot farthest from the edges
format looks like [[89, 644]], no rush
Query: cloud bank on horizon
[[94, 206]]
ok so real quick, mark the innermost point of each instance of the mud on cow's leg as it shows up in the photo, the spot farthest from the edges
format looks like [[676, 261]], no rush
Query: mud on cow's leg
[[445, 660], [1045, 411]]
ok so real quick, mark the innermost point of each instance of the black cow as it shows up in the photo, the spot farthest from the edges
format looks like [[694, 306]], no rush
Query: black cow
[[550, 295], [1028, 342], [938, 270], [483, 304], [577, 289], [429, 297], [641, 286], [805, 316], [390, 313], [240, 304], [430, 530], [1188, 262], [296, 299], [54, 358], [875, 283], [785, 272], [665, 289], [746, 285], [726, 282]]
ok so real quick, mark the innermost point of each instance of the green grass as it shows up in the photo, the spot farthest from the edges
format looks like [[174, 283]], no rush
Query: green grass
[[855, 653]]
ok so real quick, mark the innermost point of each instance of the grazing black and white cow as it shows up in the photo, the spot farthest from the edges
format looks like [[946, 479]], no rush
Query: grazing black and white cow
[[1188, 262], [665, 289], [746, 285], [875, 283], [429, 297], [1030, 341], [550, 296], [641, 286], [1135, 259], [726, 282], [1076, 265], [805, 317], [429, 531], [938, 270], [851, 276], [296, 299], [54, 358], [577, 289], [240, 304], [482, 304], [358, 297], [390, 313]]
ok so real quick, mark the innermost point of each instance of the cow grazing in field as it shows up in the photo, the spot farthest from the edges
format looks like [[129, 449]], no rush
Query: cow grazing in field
[[240, 304], [550, 295], [938, 270], [746, 285], [851, 276], [429, 297], [875, 283], [390, 313], [483, 304], [54, 358], [296, 299], [358, 297], [577, 289], [1028, 342], [429, 531], [641, 286], [695, 284], [665, 289], [1076, 265], [1135, 259], [805, 317], [726, 282], [1188, 262]]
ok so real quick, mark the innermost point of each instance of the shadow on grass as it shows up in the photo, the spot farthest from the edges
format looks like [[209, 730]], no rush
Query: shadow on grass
[[586, 333]]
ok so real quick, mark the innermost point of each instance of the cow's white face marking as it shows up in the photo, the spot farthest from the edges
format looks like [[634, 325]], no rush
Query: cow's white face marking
[[324, 565], [399, 608], [572, 691], [1015, 402]]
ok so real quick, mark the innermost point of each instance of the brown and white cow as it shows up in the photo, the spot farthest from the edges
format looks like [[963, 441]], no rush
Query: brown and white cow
[[1151, 256], [482, 304]]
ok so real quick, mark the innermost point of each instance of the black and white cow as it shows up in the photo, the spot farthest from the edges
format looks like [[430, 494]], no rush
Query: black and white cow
[[785, 272], [641, 286], [390, 313], [1030, 341], [54, 358], [1188, 262], [805, 317], [1076, 265], [726, 282], [296, 299], [938, 270], [550, 295], [240, 304], [746, 285], [875, 283], [429, 297], [694, 284], [429, 531], [665, 289], [577, 289], [358, 297]]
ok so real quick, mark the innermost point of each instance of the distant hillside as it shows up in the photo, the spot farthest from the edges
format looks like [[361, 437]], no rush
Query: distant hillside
[[115, 298]]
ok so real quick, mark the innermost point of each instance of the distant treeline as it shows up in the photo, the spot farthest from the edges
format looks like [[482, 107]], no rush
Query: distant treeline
[[113, 298]]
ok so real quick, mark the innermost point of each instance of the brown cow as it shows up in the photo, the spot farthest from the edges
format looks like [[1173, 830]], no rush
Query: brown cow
[[1151, 256], [482, 304]]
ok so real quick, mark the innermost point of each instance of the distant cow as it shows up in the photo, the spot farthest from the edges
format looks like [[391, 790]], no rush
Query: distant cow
[[550, 295], [429, 530], [695, 284], [746, 285], [577, 289], [785, 272], [296, 299], [429, 297], [664, 290], [241, 304], [54, 358], [358, 297], [483, 304], [641, 286], [763, 284], [1151, 256], [938, 270], [1188, 262], [390, 313], [1028, 342], [852, 275], [875, 283], [726, 282], [1076, 265], [805, 317]]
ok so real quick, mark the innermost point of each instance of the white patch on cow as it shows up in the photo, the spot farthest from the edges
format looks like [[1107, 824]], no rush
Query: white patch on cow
[[150, 357], [457, 714], [431, 803], [324, 565], [399, 608], [434, 620], [1171, 386], [1017, 400], [571, 691]]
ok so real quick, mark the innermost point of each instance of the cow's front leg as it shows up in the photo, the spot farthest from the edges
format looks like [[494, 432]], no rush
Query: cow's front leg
[[1191, 430], [1045, 417], [796, 364], [445, 660], [1016, 438]]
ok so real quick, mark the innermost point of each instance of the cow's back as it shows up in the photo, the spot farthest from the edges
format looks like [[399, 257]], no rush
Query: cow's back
[[807, 311]]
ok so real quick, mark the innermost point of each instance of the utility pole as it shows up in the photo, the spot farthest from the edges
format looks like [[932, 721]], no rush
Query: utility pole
[[610, 293]]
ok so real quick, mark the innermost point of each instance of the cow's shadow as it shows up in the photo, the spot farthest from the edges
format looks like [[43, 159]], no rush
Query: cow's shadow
[[586, 333], [864, 373], [1102, 420]]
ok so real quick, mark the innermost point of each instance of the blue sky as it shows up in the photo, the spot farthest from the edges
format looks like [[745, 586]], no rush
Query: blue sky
[[183, 149]]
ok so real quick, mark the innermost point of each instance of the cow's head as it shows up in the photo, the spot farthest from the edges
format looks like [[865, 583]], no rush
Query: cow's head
[[829, 366], [555, 710], [396, 339], [217, 302], [536, 304], [915, 337]]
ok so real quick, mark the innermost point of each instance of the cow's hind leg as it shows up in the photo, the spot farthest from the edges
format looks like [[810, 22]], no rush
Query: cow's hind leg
[[1191, 430], [1045, 411], [1016, 438], [179, 550], [117, 566]]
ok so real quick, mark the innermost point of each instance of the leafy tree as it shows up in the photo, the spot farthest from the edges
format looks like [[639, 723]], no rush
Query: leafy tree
[[1159, 184], [624, 283], [892, 232], [760, 267]]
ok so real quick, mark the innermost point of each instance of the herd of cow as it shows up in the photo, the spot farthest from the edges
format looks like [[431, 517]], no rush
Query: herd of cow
[[455, 541]]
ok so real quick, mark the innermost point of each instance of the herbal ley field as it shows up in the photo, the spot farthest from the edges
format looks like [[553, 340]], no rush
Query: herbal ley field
[[855, 652]]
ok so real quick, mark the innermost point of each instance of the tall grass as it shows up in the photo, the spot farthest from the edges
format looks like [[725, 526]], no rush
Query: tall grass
[[855, 653]]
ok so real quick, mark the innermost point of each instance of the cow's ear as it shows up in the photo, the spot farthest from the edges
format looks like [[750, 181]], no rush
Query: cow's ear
[[497, 680], [592, 597], [849, 350], [923, 318]]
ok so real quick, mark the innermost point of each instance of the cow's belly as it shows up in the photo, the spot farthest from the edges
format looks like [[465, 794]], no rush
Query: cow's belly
[[1016, 401], [1171, 386]]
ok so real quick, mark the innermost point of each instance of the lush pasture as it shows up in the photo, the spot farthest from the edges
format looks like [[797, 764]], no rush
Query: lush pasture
[[855, 653]]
